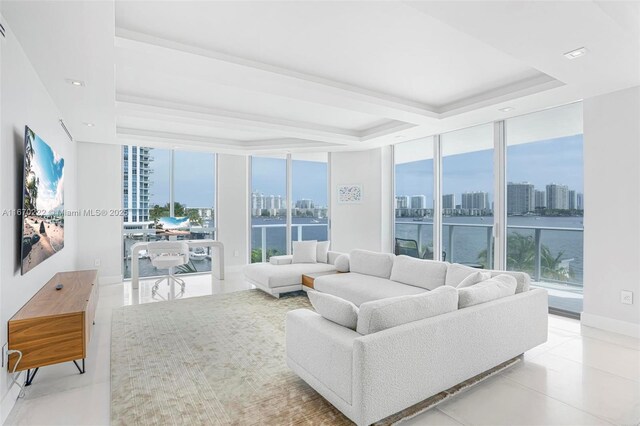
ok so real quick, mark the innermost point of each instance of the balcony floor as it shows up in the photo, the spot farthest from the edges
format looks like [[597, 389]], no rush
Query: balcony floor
[[566, 298]]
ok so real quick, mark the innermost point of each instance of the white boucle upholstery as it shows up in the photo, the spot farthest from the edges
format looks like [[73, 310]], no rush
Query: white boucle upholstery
[[371, 263], [305, 251], [494, 288], [335, 309], [322, 348], [523, 280], [474, 278], [457, 272], [387, 313], [427, 274], [281, 260], [396, 368], [342, 263], [332, 256], [360, 288], [272, 276], [322, 250]]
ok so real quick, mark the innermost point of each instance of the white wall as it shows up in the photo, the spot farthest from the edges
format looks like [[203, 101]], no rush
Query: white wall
[[612, 212], [100, 188], [233, 208], [25, 101], [366, 225]]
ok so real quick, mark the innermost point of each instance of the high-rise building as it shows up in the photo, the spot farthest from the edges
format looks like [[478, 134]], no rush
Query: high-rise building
[[573, 200], [137, 169], [580, 201], [557, 196], [449, 201], [540, 200], [304, 203], [520, 198], [402, 202], [478, 200], [418, 202]]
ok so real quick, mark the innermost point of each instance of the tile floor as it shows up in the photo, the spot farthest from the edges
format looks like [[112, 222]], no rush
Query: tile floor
[[581, 376]]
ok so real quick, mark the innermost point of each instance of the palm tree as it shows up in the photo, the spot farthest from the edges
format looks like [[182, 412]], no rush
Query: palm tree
[[521, 256]]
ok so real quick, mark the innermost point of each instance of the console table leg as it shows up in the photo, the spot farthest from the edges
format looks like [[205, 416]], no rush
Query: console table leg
[[81, 370], [30, 376]]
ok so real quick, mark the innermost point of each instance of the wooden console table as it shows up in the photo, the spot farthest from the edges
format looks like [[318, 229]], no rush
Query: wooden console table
[[55, 326]]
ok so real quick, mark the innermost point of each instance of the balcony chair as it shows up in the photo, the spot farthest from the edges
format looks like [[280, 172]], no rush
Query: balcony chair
[[410, 248], [168, 255]]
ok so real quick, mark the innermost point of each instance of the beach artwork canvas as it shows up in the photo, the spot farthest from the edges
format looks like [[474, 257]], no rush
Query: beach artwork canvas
[[42, 202], [173, 226]]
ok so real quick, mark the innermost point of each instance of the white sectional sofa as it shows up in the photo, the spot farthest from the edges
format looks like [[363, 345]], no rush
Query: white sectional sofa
[[370, 372], [281, 275]]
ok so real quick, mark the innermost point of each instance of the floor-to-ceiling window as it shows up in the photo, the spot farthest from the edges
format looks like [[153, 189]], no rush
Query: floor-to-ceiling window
[[467, 195], [545, 202], [414, 198], [309, 204], [150, 194], [268, 207], [302, 177]]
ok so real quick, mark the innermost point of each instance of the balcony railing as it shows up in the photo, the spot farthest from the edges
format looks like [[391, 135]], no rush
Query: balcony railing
[[480, 236], [297, 227]]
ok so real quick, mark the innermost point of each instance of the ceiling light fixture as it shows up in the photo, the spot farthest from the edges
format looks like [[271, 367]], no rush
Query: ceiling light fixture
[[576, 53], [89, 124], [399, 136], [506, 109], [77, 83]]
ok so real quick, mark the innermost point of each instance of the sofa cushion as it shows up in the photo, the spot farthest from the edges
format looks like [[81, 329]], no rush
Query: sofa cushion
[[427, 274], [305, 251], [322, 251], [522, 279], [334, 309], [273, 276], [474, 278], [386, 313], [342, 263], [281, 260], [360, 288], [457, 272], [371, 263], [494, 288]]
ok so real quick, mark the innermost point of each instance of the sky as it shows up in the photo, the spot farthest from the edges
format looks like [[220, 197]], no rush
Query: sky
[[48, 167], [554, 160], [540, 163]]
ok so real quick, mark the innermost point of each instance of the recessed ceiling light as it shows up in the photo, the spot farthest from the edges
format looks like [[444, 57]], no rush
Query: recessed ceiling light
[[77, 83], [576, 53], [506, 109], [399, 136], [89, 124]]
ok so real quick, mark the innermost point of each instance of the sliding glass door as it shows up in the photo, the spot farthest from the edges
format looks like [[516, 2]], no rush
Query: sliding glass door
[[414, 187], [309, 207], [545, 202], [467, 196]]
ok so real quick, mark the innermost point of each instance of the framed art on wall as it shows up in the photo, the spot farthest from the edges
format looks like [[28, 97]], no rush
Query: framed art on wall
[[349, 194]]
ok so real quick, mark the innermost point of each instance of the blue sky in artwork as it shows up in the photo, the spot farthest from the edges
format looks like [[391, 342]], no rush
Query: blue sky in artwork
[[48, 167]]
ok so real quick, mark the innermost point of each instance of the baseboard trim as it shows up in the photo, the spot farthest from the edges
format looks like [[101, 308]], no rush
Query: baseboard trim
[[610, 324], [110, 279], [9, 401]]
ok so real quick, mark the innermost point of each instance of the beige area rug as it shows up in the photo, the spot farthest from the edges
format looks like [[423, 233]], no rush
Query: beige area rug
[[219, 360]]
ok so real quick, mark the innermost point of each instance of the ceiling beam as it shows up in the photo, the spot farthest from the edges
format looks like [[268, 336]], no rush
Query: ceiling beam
[[170, 57], [134, 106]]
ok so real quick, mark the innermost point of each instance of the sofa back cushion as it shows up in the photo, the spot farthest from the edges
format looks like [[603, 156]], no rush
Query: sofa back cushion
[[428, 274], [371, 263], [494, 288], [322, 251], [522, 279], [334, 309], [381, 314], [305, 251], [456, 273], [475, 278], [342, 263]]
